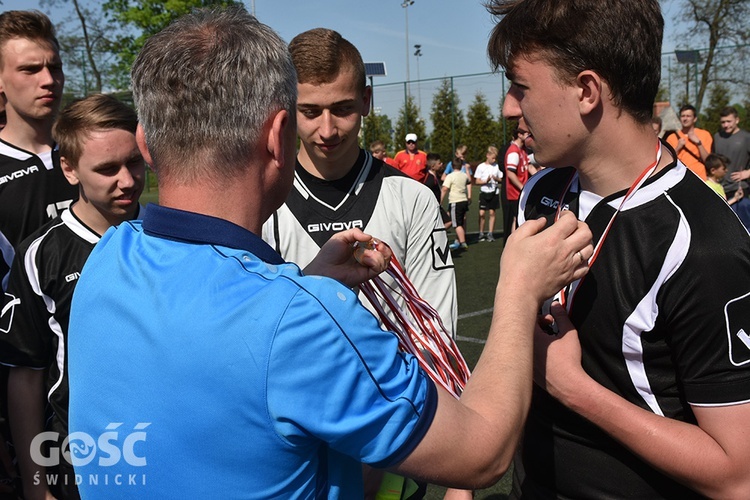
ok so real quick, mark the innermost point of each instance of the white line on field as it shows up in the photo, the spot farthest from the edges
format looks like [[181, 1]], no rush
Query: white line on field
[[475, 313], [470, 339]]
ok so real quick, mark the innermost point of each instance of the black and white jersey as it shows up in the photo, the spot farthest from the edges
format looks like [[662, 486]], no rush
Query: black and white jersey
[[34, 329], [382, 202], [33, 190], [658, 325]]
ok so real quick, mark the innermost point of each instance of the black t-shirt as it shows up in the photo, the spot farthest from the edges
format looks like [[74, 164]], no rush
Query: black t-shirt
[[33, 190], [657, 325]]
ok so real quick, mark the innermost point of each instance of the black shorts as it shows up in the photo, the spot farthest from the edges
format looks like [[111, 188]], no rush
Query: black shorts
[[489, 201], [458, 212], [444, 215]]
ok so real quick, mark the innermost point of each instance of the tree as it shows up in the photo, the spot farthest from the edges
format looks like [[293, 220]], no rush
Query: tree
[[710, 24], [377, 128], [447, 121], [85, 38], [410, 123], [146, 18], [482, 129], [718, 100]]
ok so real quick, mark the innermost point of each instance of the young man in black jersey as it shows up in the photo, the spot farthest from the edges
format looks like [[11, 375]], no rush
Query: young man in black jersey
[[339, 186], [32, 187], [649, 395], [99, 156]]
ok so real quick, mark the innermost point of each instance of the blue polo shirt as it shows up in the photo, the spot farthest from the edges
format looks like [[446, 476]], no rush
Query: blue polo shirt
[[203, 366]]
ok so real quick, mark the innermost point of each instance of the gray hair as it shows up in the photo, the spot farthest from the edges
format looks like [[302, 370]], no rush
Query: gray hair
[[204, 87]]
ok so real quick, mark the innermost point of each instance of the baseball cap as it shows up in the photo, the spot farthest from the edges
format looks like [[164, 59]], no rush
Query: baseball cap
[[411, 137]]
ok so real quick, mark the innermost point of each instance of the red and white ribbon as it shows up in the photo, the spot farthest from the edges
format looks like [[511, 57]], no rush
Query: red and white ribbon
[[419, 328]]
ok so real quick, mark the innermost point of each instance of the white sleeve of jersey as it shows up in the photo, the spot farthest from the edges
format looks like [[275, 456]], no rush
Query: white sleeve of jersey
[[512, 161], [428, 262]]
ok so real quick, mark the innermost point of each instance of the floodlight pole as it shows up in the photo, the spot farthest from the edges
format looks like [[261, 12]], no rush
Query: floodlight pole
[[418, 54], [405, 4]]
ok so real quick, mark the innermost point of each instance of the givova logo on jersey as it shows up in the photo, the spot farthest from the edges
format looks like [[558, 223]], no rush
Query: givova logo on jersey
[[318, 227], [737, 314], [9, 308]]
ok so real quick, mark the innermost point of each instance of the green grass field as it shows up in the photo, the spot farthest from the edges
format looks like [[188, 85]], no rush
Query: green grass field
[[477, 270]]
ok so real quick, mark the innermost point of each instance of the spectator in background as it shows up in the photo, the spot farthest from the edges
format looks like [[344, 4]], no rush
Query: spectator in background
[[734, 143], [435, 170], [516, 175], [656, 124], [377, 148], [412, 161], [716, 170], [458, 188], [488, 176], [460, 153], [692, 144]]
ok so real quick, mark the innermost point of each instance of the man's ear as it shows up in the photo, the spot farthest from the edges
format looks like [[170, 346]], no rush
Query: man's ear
[[140, 139], [366, 100], [591, 90], [280, 138], [70, 172]]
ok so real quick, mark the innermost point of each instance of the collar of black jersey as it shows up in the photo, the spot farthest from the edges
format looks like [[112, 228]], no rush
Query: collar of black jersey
[[180, 225]]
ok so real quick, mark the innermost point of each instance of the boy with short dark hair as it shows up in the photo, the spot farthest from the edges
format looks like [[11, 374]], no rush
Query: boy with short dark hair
[[645, 393], [99, 155], [716, 169]]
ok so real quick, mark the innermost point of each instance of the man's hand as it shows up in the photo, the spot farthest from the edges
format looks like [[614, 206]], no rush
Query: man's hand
[[336, 259], [541, 262], [557, 358], [740, 176]]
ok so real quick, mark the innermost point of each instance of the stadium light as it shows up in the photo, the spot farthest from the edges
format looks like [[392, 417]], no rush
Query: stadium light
[[405, 4]]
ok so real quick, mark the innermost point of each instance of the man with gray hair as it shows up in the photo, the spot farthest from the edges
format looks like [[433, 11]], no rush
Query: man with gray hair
[[202, 364]]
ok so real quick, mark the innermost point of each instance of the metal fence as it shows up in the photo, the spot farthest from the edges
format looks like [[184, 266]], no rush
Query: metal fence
[[679, 82]]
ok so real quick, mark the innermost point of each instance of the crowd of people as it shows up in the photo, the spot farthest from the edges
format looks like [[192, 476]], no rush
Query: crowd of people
[[214, 345]]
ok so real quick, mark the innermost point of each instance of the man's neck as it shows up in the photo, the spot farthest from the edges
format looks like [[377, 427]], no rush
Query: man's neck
[[609, 166], [686, 131], [33, 136], [323, 168]]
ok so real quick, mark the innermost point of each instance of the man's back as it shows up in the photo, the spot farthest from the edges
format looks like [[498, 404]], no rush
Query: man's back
[[201, 364]]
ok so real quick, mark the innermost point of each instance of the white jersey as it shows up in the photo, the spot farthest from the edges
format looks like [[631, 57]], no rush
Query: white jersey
[[487, 173], [383, 203]]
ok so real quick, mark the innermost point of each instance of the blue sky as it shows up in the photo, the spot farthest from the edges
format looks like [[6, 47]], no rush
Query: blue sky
[[453, 36], [453, 33]]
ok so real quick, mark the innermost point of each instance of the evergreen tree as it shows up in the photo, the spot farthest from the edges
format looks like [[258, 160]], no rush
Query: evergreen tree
[[718, 99], [448, 122], [377, 127], [482, 129], [410, 123]]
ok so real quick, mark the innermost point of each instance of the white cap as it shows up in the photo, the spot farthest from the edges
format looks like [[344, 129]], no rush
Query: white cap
[[411, 137]]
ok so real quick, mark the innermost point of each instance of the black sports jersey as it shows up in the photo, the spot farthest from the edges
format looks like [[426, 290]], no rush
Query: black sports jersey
[[382, 202], [33, 190], [43, 276], [658, 325]]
